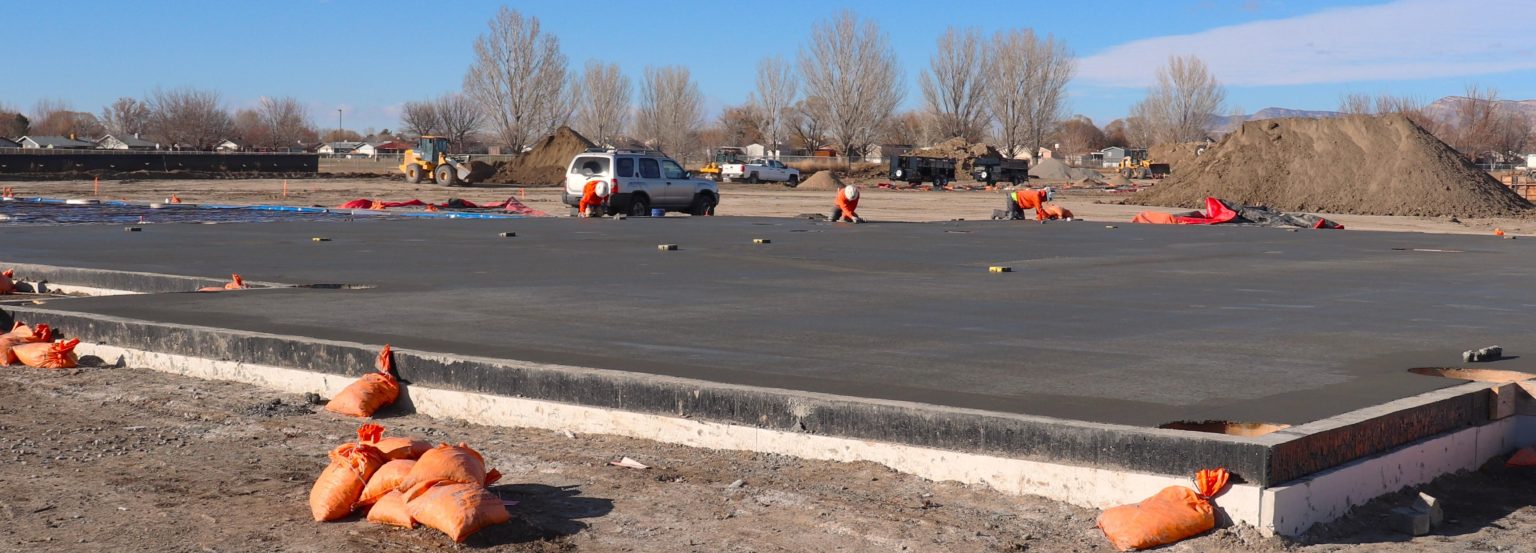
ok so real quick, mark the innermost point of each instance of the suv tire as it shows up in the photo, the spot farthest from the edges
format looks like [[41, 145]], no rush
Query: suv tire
[[703, 204], [639, 206]]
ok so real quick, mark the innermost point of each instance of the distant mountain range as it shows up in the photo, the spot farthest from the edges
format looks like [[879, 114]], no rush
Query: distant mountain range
[[1439, 109]]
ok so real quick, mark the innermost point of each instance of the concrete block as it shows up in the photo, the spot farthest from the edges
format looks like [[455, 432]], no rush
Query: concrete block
[[1430, 505], [132, 229], [508, 235], [320, 239], [666, 247], [761, 241], [1409, 521], [1526, 403], [999, 269], [1505, 400]]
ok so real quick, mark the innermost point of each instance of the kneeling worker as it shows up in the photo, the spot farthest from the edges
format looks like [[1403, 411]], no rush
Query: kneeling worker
[[847, 205], [1020, 200], [594, 198]]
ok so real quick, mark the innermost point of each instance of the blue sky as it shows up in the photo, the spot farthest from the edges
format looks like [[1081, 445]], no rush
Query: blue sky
[[366, 58]]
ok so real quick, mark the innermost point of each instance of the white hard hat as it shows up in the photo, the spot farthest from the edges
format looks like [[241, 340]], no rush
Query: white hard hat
[[601, 189], [851, 192], [1050, 193]]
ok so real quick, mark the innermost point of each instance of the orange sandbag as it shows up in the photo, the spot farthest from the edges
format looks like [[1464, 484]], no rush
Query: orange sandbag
[[1174, 514], [453, 463], [235, 283], [43, 355], [371, 392], [337, 489], [387, 479], [1053, 211], [391, 510], [23, 334], [458, 510], [1525, 458], [7, 286], [393, 448]]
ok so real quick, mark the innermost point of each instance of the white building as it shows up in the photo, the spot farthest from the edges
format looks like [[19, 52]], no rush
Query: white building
[[110, 142]]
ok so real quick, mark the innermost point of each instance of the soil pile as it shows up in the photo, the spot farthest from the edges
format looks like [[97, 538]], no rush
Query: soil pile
[[1052, 169], [1178, 156], [821, 180], [1364, 165], [545, 163], [964, 153], [1118, 179]]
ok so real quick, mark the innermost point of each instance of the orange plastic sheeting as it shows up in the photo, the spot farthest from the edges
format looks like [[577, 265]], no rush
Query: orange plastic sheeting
[[387, 479], [342, 483], [371, 392], [235, 283], [458, 510], [451, 463], [1155, 218], [1525, 458], [1053, 211], [391, 510], [1173, 515], [7, 286], [43, 355]]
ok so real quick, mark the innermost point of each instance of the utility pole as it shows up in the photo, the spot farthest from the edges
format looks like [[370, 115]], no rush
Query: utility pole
[[338, 124]]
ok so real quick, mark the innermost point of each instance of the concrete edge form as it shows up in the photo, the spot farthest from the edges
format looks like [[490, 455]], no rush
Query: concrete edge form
[[102, 282]]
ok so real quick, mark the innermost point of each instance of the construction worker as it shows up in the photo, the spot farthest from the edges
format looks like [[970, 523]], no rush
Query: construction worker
[[1020, 200], [847, 205], [594, 198]]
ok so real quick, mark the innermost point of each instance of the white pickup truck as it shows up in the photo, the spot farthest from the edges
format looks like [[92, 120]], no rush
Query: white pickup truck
[[759, 170]]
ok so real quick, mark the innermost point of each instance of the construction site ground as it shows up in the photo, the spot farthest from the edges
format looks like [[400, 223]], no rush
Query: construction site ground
[[769, 200], [123, 459]]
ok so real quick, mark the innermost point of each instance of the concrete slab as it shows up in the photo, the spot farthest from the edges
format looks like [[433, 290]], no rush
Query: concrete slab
[[1136, 325]]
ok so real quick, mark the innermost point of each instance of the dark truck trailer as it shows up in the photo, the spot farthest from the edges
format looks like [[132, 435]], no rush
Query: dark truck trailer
[[992, 170], [916, 170]]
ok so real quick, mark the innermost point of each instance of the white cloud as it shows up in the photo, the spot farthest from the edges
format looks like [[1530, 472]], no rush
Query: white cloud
[[1407, 39]]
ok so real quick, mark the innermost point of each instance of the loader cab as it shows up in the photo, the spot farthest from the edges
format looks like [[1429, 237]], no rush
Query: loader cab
[[430, 146]]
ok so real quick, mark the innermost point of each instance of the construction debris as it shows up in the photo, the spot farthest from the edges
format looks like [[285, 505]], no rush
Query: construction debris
[[1364, 165], [1055, 170], [1481, 355], [964, 153]]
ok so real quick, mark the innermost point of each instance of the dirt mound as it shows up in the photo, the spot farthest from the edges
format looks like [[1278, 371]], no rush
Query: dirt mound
[[1365, 165], [545, 163], [1119, 180], [1178, 156], [1052, 169], [821, 180], [964, 153]]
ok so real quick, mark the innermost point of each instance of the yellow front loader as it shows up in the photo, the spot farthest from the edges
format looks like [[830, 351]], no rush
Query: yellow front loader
[[430, 160]]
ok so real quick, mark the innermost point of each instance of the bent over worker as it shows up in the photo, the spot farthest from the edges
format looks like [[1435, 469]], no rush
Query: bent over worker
[[1020, 200], [594, 197], [847, 205]]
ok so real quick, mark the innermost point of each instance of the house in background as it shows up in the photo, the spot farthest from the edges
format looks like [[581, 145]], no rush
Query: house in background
[[388, 147], [110, 142], [1112, 156], [8, 143], [54, 143], [227, 146], [339, 148], [880, 153]]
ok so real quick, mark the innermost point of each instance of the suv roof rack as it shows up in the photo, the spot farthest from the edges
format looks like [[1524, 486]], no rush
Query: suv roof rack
[[632, 151]]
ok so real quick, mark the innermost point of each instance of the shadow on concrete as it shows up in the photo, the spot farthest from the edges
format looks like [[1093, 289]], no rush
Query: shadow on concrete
[[1473, 502], [543, 513]]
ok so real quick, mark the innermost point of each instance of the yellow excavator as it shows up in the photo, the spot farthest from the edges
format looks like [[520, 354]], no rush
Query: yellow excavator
[[1136, 165], [430, 160]]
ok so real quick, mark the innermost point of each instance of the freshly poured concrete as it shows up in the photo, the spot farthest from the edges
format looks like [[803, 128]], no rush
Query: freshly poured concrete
[[1136, 325]]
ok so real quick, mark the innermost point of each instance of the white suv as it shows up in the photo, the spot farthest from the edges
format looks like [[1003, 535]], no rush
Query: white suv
[[642, 180]]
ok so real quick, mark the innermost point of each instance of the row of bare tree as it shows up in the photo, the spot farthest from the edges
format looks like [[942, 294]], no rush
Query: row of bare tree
[[1478, 124], [185, 118]]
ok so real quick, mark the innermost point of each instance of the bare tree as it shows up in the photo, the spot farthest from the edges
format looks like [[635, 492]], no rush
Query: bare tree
[[955, 84], [741, 125], [1355, 103], [126, 117], [602, 112], [776, 91], [13, 124], [55, 117], [1027, 87], [1116, 134], [420, 118], [1079, 135], [913, 128], [188, 118], [671, 111], [851, 66], [519, 79], [287, 122], [1179, 107], [1483, 126], [250, 129], [807, 122], [460, 118]]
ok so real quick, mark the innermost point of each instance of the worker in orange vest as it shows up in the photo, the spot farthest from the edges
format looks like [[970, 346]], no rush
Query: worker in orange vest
[[1020, 200], [847, 205], [594, 197]]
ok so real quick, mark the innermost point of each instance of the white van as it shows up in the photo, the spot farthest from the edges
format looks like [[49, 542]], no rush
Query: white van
[[642, 180]]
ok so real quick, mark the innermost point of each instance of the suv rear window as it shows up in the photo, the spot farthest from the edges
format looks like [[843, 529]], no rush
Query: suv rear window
[[649, 169], [626, 167], [596, 165]]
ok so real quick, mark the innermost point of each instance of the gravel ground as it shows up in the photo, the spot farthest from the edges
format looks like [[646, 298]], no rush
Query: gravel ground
[[113, 459]]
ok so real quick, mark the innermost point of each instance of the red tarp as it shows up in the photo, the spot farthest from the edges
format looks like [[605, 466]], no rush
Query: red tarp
[[364, 203], [511, 205], [1217, 212]]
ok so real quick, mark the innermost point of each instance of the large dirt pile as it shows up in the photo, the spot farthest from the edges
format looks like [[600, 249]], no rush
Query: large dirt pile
[[1052, 169], [545, 163], [1366, 165], [820, 180], [964, 153], [1178, 156]]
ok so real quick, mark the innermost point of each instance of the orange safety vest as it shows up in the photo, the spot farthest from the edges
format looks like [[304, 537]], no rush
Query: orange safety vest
[[589, 196], [846, 205]]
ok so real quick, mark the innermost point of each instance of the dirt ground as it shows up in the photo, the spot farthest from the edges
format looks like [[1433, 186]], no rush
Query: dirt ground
[[121, 459], [736, 199]]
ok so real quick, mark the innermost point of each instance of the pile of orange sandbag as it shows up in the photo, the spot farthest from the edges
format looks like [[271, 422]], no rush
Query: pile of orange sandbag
[[34, 347], [235, 283], [403, 481], [1174, 514], [370, 393]]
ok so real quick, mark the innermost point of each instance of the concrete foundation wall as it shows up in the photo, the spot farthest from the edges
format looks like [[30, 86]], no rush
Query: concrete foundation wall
[[112, 161]]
